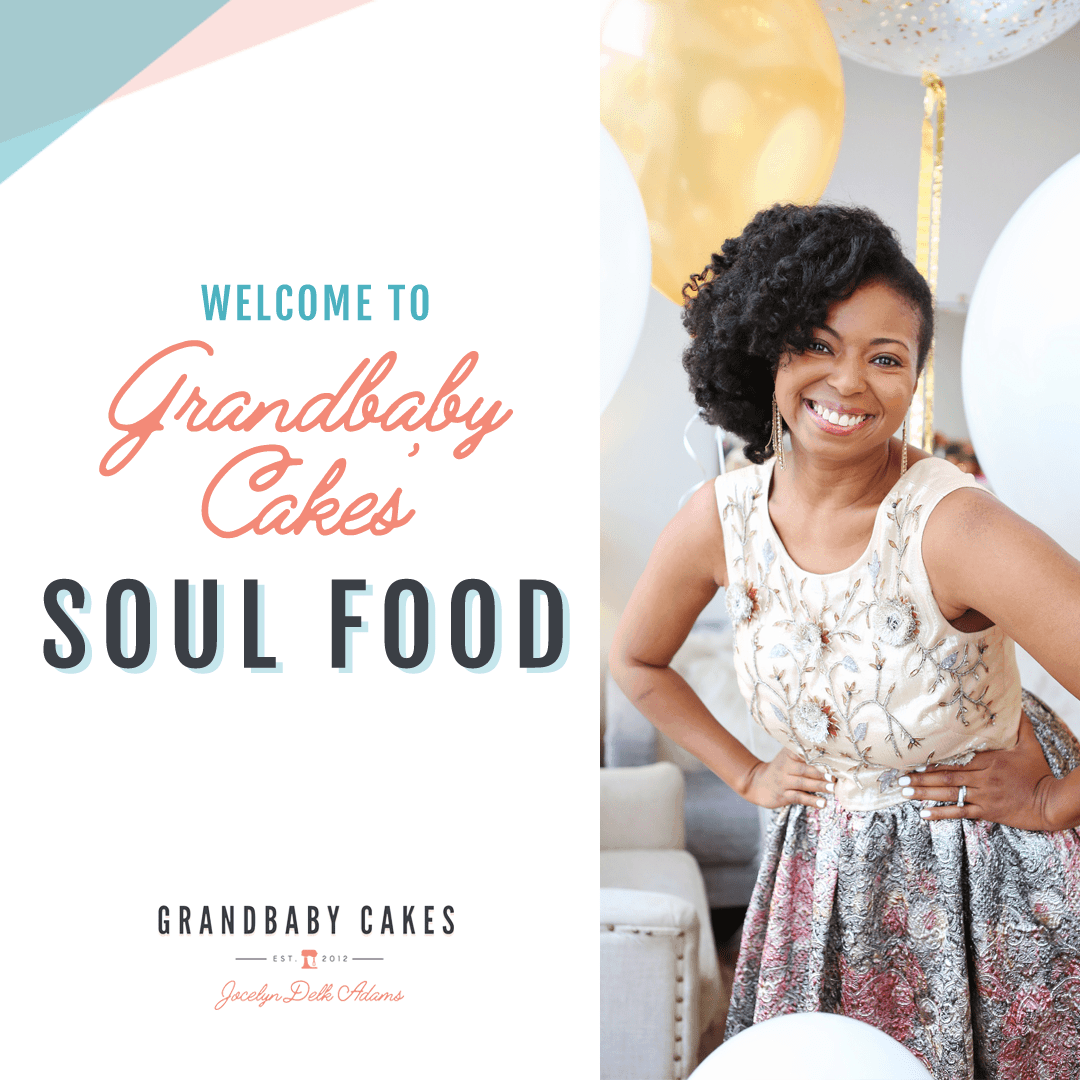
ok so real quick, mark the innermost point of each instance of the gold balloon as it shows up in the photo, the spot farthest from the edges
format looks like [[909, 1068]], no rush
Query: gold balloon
[[721, 108]]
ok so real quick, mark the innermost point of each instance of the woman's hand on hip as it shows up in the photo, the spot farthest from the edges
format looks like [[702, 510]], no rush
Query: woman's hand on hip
[[1012, 787], [784, 780]]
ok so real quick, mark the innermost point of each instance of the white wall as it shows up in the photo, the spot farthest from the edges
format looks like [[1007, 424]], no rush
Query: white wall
[[948, 400], [1006, 130]]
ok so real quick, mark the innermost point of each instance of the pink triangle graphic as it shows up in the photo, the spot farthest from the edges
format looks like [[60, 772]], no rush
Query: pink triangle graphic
[[238, 25]]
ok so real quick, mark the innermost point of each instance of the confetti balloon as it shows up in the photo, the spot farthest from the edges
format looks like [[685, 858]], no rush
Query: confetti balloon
[[721, 108], [947, 37]]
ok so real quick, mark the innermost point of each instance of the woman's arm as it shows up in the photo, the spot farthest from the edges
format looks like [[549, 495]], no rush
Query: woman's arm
[[683, 573], [981, 556]]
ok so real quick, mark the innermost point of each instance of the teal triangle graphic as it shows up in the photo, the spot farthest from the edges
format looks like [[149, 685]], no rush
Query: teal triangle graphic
[[15, 153], [60, 59]]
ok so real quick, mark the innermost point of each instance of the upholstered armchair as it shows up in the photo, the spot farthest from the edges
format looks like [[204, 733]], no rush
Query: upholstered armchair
[[659, 976]]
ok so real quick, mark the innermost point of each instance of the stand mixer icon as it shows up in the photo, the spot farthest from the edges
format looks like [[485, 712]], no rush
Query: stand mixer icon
[[309, 958]]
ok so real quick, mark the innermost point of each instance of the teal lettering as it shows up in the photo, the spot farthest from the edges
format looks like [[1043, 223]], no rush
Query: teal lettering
[[339, 304], [421, 292], [397, 300], [213, 302], [310, 291]]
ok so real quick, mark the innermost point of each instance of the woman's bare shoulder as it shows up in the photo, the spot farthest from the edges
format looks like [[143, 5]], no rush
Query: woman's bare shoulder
[[694, 538], [966, 515], [980, 554]]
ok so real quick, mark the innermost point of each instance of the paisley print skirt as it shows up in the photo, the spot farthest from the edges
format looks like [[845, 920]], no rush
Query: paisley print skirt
[[960, 939]]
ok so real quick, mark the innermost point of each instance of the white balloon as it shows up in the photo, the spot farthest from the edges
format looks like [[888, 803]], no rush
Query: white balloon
[[945, 38], [812, 1046], [1021, 360], [625, 267]]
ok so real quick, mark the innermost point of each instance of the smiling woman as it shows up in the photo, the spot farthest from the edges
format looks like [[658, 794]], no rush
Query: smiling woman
[[875, 607], [767, 296]]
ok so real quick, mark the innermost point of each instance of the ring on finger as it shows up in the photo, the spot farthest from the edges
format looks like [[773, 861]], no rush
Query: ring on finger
[[962, 796]]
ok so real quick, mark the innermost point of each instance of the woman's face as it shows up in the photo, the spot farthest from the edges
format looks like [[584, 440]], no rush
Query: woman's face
[[849, 392]]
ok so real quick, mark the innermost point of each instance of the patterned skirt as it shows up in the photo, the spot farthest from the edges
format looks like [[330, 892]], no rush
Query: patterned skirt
[[960, 939]]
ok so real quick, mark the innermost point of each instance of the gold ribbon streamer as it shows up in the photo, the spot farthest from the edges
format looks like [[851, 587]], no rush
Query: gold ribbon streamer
[[921, 425]]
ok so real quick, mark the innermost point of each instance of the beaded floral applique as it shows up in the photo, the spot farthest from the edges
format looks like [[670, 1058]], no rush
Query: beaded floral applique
[[824, 678]]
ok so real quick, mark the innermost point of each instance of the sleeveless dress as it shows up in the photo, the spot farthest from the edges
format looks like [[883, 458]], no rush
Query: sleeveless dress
[[960, 939]]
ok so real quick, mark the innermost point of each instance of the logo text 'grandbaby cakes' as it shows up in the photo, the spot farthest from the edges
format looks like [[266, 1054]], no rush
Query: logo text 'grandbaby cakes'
[[353, 406]]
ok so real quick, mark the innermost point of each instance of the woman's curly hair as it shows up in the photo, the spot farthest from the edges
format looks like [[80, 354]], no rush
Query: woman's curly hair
[[767, 291]]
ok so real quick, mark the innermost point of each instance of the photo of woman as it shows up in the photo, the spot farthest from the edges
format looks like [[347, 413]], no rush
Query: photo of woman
[[922, 868]]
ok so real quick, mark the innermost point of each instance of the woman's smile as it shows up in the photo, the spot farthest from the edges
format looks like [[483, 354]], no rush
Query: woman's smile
[[834, 418]]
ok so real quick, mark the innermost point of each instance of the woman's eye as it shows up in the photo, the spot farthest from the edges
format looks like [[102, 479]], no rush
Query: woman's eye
[[886, 361], [817, 346]]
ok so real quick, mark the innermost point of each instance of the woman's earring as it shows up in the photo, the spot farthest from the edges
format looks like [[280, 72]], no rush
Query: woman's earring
[[903, 450], [777, 433]]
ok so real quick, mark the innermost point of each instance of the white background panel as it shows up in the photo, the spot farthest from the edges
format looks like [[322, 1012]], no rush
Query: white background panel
[[402, 142]]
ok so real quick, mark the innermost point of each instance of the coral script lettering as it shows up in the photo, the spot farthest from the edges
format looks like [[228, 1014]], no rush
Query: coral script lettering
[[352, 407]]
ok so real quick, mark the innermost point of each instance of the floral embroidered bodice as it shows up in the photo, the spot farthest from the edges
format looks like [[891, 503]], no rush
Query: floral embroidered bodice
[[858, 671]]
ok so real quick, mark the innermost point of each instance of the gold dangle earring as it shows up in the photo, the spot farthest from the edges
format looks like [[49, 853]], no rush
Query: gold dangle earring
[[777, 432], [903, 448]]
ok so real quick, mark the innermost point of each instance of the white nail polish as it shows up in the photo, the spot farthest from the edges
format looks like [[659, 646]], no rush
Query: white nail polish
[[908, 792], [924, 813], [821, 804], [920, 768], [903, 779]]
